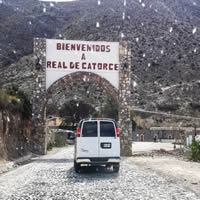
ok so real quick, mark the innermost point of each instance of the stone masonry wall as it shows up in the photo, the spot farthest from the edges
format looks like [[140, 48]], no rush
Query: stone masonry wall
[[125, 124], [38, 142], [40, 96], [70, 80]]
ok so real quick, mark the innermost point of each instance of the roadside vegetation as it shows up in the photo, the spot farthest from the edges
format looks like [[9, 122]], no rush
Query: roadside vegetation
[[57, 143], [195, 151], [109, 109], [16, 101], [74, 111]]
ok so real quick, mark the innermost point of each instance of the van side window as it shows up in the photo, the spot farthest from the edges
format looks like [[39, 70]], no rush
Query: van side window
[[107, 129], [89, 129]]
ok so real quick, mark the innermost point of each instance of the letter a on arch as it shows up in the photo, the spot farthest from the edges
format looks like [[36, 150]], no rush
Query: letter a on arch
[[83, 57]]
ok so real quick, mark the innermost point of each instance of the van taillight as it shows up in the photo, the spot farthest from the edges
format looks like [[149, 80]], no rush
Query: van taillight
[[117, 130], [79, 132]]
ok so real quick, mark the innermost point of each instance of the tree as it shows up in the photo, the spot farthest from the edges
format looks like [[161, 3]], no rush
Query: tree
[[52, 109], [109, 109], [74, 111]]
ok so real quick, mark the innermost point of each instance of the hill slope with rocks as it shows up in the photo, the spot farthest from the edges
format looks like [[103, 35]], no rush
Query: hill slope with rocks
[[165, 38]]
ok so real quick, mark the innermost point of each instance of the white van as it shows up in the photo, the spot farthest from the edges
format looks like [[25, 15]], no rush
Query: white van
[[97, 143]]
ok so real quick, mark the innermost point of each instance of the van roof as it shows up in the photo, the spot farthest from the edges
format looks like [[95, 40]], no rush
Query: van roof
[[96, 119], [89, 119]]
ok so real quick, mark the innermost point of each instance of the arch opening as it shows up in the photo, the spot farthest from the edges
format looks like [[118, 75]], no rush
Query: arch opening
[[88, 79], [78, 90]]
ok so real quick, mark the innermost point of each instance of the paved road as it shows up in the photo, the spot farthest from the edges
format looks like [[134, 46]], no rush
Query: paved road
[[52, 177]]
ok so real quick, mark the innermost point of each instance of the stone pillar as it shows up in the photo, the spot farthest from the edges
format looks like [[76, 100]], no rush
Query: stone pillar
[[125, 124], [38, 142]]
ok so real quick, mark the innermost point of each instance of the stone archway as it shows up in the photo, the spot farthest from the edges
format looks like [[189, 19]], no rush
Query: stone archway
[[38, 142], [78, 77]]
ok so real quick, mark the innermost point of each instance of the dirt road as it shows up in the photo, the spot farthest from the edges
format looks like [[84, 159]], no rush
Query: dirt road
[[52, 177], [175, 169]]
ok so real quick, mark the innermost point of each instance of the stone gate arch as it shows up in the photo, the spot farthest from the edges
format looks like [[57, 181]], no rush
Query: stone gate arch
[[88, 77], [40, 96]]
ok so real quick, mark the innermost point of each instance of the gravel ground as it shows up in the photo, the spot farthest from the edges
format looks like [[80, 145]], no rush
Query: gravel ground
[[52, 177], [171, 166], [150, 146]]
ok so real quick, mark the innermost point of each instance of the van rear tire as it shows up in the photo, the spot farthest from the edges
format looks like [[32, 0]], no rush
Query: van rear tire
[[116, 167], [77, 167]]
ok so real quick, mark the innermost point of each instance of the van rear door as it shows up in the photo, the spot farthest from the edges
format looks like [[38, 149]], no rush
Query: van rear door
[[87, 143], [108, 140]]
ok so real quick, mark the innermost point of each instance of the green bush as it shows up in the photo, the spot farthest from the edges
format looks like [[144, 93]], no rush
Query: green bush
[[168, 107], [195, 151], [26, 105], [10, 102], [50, 146], [15, 100], [4, 99], [58, 143]]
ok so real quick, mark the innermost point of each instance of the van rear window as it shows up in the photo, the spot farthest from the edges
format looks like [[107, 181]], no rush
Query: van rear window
[[89, 129], [107, 129]]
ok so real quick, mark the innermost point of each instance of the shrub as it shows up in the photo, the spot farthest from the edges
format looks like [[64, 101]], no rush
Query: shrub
[[195, 151], [26, 105], [195, 106], [15, 104], [58, 143], [50, 146], [4, 99], [15, 100], [168, 107], [10, 102]]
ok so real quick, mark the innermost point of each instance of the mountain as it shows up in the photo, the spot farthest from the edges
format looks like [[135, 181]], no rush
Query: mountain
[[165, 38]]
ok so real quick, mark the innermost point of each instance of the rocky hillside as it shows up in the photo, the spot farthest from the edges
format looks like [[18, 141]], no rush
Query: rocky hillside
[[14, 135], [165, 38], [21, 20]]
